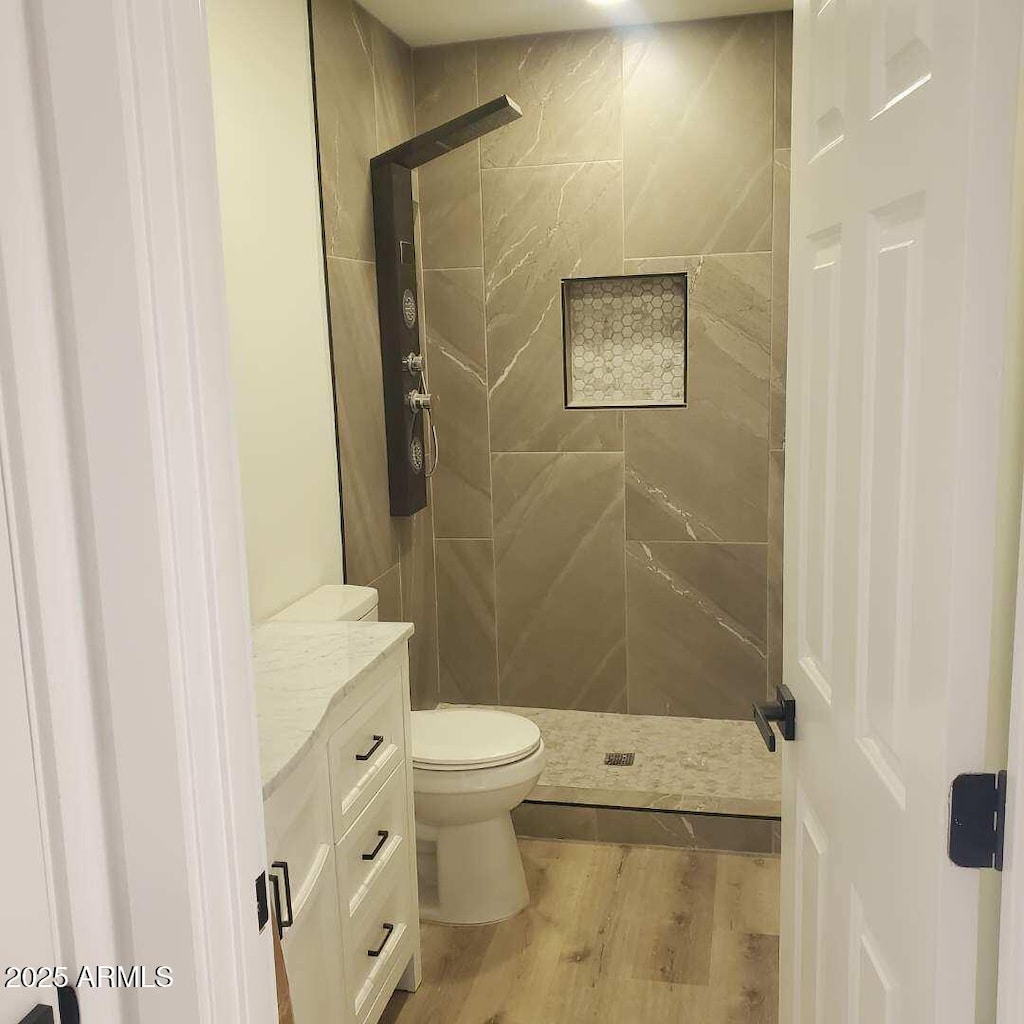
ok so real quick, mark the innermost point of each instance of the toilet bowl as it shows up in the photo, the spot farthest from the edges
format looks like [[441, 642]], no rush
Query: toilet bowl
[[471, 767]]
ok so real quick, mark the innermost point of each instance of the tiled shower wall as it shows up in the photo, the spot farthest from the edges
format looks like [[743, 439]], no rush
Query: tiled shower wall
[[595, 559], [364, 102]]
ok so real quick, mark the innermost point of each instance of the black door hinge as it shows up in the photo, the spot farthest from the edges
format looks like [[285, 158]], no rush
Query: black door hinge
[[262, 903], [977, 820]]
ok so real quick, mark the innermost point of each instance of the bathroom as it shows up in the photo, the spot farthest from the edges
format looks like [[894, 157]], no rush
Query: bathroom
[[590, 533], [395, 400]]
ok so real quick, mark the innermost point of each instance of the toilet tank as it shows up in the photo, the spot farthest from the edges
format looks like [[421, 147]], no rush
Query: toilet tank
[[333, 603]]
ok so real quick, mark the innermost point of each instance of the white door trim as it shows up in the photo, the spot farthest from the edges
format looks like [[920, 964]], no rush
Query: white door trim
[[1011, 936], [1010, 1008], [125, 502]]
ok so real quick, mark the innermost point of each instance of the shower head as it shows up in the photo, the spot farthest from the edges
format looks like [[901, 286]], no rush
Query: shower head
[[394, 238], [454, 133]]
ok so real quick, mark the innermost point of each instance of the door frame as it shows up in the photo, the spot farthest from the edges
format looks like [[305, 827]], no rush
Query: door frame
[[1010, 987], [122, 485]]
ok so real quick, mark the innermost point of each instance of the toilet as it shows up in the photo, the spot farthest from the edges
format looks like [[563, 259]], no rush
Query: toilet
[[471, 767], [337, 603]]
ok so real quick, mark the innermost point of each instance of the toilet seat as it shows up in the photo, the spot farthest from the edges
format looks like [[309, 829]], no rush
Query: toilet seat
[[462, 739]]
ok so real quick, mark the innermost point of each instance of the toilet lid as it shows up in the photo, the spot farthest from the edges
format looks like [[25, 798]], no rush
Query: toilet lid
[[471, 738]]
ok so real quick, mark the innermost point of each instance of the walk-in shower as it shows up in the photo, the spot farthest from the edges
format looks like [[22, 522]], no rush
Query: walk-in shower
[[598, 292], [406, 400]]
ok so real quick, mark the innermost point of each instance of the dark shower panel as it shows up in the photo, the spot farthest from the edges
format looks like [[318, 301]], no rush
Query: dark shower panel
[[396, 277], [405, 406]]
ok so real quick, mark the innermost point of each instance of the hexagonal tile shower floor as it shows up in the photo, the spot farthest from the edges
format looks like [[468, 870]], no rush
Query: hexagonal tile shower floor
[[699, 783]]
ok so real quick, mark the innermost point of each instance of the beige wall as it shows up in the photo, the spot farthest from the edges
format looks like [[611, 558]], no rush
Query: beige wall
[[273, 252], [609, 560], [364, 106]]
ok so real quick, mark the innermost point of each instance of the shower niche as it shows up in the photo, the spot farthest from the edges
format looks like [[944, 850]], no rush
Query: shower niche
[[624, 340]]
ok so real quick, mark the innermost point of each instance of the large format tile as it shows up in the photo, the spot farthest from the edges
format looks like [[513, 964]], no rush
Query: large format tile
[[783, 78], [392, 74], [700, 473], [457, 368], [690, 831], [466, 631], [569, 87], [371, 546], [445, 83], [558, 523], [389, 595], [419, 605], [776, 496], [698, 137], [555, 821], [631, 827], [450, 217], [697, 628], [780, 297], [345, 115], [449, 187], [543, 224]]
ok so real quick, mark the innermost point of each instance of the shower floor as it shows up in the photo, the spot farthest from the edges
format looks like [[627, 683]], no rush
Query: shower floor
[[692, 765]]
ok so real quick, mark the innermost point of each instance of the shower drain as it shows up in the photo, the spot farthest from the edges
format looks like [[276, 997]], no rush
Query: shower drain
[[621, 760]]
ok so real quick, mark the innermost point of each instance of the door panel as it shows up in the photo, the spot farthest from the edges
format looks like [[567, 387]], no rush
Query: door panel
[[27, 936], [903, 128], [873, 992], [812, 854]]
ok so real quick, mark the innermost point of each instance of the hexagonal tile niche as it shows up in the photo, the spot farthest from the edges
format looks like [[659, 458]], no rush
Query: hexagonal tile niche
[[625, 341]]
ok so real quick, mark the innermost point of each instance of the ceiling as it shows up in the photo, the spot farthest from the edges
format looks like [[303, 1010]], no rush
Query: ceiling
[[429, 22]]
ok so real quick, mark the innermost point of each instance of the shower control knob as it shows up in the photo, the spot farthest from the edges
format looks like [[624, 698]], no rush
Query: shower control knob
[[413, 363], [418, 400]]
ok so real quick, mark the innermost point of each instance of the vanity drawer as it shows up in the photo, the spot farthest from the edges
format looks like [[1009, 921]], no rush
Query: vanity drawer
[[364, 752], [378, 936], [378, 836], [298, 817]]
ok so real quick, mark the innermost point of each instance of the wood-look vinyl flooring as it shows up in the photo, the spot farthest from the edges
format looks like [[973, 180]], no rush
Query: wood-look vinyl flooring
[[613, 935]]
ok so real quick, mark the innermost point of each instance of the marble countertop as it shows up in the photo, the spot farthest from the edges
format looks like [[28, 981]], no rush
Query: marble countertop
[[302, 670]]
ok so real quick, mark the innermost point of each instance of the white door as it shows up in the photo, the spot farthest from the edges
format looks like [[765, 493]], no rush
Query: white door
[[27, 938], [903, 129]]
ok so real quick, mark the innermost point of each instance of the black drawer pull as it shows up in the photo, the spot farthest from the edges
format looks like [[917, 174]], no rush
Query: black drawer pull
[[389, 930], [282, 866], [377, 741], [380, 845]]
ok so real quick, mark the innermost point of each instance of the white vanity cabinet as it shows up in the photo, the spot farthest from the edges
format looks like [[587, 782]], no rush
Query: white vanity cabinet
[[341, 819], [301, 848], [313, 950]]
